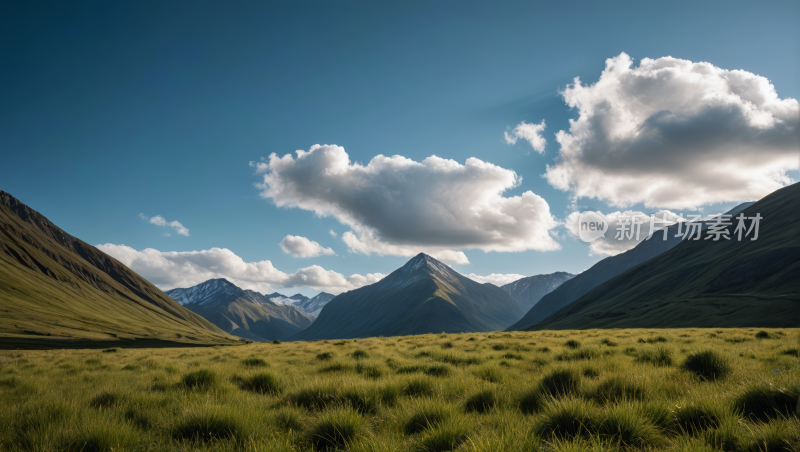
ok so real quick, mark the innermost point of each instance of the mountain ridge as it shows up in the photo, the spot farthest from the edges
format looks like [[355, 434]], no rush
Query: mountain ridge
[[422, 296], [241, 312]]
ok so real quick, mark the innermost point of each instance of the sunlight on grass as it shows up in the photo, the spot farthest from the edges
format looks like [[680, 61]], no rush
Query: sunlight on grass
[[611, 390]]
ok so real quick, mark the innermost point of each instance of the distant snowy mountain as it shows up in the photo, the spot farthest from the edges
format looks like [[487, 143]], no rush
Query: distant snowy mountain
[[310, 306], [528, 291], [243, 313]]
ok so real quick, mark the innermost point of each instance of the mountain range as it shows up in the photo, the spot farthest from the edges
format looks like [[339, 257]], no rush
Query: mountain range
[[244, 313], [423, 296], [57, 287], [601, 272], [311, 306], [706, 283]]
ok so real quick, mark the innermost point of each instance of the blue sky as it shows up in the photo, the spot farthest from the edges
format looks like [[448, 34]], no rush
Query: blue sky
[[112, 109]]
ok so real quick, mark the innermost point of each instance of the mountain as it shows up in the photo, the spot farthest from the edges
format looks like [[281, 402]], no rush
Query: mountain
[[602, 272], [243, 313], [423, 296], [727, 283], [310, 306], [528, 291], [55, 286]]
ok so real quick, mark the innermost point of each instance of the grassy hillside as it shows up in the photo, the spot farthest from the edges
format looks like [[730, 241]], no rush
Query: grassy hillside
[[55, 286], [706, 283], [551, 391], [601, 272]]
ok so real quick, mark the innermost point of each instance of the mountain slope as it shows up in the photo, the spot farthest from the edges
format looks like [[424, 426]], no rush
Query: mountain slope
[[528, 291], [310, 306], [55, 285], [243, 313], [423, 296], [602, 272], [706, 283]]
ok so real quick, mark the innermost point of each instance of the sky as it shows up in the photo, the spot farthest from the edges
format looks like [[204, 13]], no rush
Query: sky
[[317, 146]]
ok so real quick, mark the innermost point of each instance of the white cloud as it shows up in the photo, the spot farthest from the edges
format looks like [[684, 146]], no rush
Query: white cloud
[[675, 134], [333, 233], [498, 279], [302, 247], [171, 269], [532, 133], [158, 220], [397, 206], [609, 245]]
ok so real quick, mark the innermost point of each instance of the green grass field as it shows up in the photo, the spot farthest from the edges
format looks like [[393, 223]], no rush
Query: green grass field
[[600, 390]]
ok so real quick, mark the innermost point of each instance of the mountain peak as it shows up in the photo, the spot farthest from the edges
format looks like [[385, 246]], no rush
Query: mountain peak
[[204, 291], [423, 260]]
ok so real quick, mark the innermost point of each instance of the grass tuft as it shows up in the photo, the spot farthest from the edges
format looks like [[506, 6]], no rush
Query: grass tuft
[[481, 402], [418, 388], [766, 402], [104, 400], [336, 430], [263, 383], [561, 382], [208, 428], [254, 362], [572, 343], [708, 365], [425, 418], [438, 370], [660, 356], [203, 379]]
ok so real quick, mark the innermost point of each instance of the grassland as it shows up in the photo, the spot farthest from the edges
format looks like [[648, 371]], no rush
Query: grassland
[[601, 390]]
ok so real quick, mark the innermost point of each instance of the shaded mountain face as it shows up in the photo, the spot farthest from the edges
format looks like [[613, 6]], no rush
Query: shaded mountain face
[[244, 313], [310, 306], [528, 291], [423, 296], [602, 272], [706, 283], [55, 285]]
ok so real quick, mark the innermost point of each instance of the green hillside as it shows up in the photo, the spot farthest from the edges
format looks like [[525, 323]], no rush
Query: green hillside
[[727, 283], [54, 286]]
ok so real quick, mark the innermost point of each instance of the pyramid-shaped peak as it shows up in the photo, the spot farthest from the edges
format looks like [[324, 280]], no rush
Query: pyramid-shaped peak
[[423, 260]]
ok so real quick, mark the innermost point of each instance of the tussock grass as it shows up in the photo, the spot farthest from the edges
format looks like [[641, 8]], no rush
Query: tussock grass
[[254, 362], [481, 402], [262, 383], [203, 379], [336, 430], [417, 393], [708, 365], [659, 356], [765, 402]]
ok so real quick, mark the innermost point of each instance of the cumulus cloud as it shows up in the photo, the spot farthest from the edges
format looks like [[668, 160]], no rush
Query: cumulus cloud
[[397, 206], [302, 247], [620, 224], [532, 133], [675, 134], [333, 233], [171, 269], [498, 279], [158, 220]]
